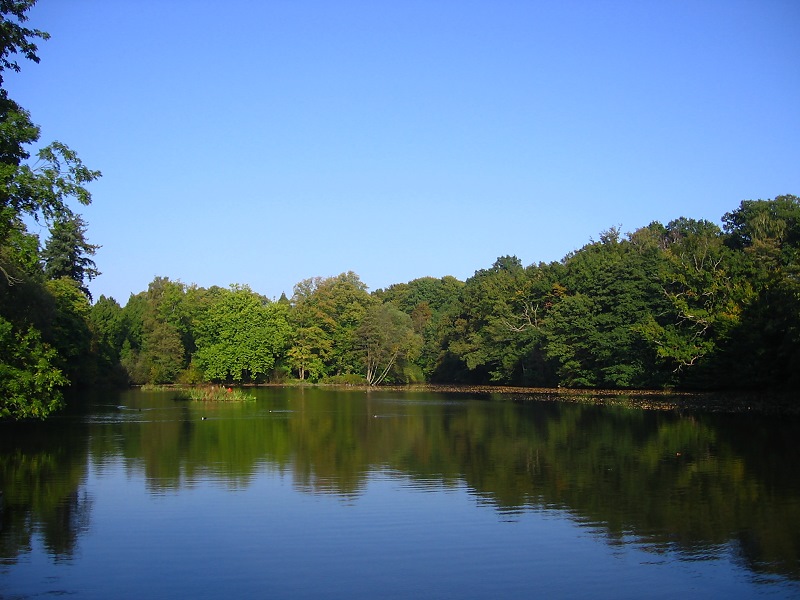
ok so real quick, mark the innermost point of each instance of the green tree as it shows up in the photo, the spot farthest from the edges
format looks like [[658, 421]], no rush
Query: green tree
[[573, 336], [763, 350], [702, 304], [41, 189], [770, 222], [162, 354], [326, 312], [386, 338], [159, 330], [108, 336], [498, 330], [29, 377], [609, 288], [67, 329], [152, 350], [15, 37], [431, 303], [67, 253], [132, 320], [177, 305], [241, 337], [308, 350]]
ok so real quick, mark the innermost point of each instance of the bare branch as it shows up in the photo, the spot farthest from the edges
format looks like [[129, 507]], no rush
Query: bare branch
[[9, 277], [528, 318]]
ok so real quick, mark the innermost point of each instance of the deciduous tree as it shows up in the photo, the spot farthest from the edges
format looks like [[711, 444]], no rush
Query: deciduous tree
[[386, 338], [242, 337], [29, 378], [326, 313], [41, 189]]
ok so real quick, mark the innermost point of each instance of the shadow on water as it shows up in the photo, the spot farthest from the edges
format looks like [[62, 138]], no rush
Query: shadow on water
[[42, 471], [697, 484]]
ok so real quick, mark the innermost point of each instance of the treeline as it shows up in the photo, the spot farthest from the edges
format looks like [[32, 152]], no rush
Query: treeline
[[46, 341], [686, 305]]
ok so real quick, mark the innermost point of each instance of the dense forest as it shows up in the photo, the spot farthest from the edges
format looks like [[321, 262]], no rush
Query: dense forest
[[688, 304]]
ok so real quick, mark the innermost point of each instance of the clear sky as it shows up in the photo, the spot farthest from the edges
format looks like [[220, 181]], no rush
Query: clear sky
[[265, 142]]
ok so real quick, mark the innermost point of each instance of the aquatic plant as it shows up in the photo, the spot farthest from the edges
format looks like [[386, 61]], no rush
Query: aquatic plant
[[219, 394]]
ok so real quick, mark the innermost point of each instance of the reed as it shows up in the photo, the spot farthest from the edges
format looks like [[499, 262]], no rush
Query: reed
[[219, 394]]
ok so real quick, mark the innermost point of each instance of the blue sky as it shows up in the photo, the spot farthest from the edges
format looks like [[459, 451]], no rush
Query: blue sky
[[265, 142]]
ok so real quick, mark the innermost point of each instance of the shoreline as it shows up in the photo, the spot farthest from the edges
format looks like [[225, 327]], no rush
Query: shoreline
[[733, 402]]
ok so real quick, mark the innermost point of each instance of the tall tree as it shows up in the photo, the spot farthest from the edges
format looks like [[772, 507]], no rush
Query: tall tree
[[67, 329], [108, 336], [772, 222], [241, 337], [764, 348], [610, 287], [702, 305], [386, 338], [68, 254], [162, 354], [326, 314], [156, 324], [499, 327], [41, 189], [431, 303], [309, 348]]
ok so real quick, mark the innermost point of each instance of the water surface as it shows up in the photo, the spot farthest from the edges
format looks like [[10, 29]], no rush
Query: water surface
[[310, 493]]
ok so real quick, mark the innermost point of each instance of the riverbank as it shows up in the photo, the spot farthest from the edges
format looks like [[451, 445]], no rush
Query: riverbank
[[766, 402], [757, 402]]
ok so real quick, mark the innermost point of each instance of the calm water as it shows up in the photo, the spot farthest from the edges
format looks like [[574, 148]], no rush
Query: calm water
[[321, 494]]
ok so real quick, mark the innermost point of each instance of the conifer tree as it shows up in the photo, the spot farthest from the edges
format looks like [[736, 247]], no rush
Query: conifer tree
[[67, 253]]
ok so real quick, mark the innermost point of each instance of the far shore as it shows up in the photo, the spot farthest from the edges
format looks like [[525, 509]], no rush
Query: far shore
[[728, 401]]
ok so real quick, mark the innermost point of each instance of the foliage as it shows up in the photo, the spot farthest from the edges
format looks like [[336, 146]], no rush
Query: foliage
[[67, 329], [153, 350], [701, 306], [431, 304], [29, 379], [15, 37], [326, 313], [46, 339], [766, 222], [607, 290], [498, 327], [67, 252], [763, 346], [683, 305], [162, 352], [386, 337], [108, 335], [241, 337], [308, 351]]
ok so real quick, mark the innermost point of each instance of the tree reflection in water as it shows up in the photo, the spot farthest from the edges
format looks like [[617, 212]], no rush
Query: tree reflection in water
[[698, 484]]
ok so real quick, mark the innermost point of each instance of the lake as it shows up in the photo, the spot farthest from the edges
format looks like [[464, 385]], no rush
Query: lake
[[319, 493]]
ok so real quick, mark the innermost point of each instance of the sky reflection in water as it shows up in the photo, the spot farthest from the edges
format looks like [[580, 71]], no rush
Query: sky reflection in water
[[313, 496]]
